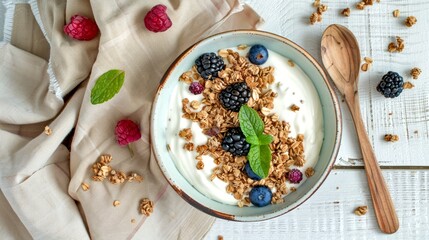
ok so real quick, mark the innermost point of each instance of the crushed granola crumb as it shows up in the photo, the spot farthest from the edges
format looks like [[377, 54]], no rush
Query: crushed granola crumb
[[410, 21], [364, 67], [146, 207], [85, 186], [346, 12], [415, 72], [116, 203], [360, 5], [309, 172], [133, 220], [391, 137], [368, 2], [195, 104], [242, 46], [294, 108], [186, 134], [200, 165], [188, 146], [291, 63], [134, 177], [316, 3], [408, 85], [292, 189], [47, 130], [396, 47], [396, 13], [322, 8], [361, 210], [315, 17]]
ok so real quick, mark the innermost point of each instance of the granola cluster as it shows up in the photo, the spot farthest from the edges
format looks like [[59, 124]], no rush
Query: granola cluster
[[214, 120], [103, 170]]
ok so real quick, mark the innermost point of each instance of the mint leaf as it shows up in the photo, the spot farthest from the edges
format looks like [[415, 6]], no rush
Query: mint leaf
[[107, 86], [264, 139], [252, 139], [259, 158], [250, 122]]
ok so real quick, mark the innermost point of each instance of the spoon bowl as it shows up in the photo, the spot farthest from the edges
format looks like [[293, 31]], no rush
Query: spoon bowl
[[341, 58]]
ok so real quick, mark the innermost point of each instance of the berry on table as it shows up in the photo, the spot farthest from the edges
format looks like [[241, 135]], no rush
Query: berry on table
[[252, 175], [196, 88], [126, 132], [258, 54], [234, 96], [260, 196], [81, 28], [234, 142], [157, 20], [391, 85], [208, 65], [294, 176]]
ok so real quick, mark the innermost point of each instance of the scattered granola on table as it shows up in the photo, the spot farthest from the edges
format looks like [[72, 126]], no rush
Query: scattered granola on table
[[410, 21], [415, 72], [361, 210], [116, 203], [396, 13], [408, 85], [346, 12], [391, 137], [85, 186], [47, 131], [146, 207], [397, 46]]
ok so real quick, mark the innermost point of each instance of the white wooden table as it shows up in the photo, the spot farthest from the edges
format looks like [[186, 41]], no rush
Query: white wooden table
[[328, 214]]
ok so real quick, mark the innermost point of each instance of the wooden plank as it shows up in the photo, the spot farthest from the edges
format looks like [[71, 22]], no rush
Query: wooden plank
[[374, 28], [328, 214]]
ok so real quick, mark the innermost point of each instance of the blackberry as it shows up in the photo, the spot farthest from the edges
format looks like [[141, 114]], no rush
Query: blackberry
[[391, 85], [208, 65], [234, 142], [234, 96]]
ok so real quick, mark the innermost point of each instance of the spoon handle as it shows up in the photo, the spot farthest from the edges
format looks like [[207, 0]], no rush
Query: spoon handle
[[381, 199]]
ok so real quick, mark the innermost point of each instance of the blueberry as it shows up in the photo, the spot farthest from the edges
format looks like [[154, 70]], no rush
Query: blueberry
[[250, 173], [258, 54], [260, 196]]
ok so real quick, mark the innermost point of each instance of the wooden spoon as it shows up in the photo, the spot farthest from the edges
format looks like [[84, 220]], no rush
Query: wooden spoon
[[341, 58]]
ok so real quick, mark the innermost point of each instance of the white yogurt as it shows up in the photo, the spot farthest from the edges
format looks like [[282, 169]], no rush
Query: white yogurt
[[292, 86]]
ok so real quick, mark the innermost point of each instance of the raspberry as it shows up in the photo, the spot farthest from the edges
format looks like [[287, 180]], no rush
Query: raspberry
[[196, 88], [127, 131], [208, 65], [157, 20], [234, 96], [235, 142], [81, 28], [391, 85], [294, 176]]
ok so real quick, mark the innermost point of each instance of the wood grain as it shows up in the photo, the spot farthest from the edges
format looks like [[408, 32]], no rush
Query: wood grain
[[329, 213], [341, 58]]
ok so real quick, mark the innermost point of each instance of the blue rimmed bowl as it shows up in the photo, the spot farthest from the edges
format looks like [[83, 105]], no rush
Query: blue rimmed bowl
[[331, 119]]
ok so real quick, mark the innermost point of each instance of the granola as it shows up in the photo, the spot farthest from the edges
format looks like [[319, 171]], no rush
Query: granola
[[410, 21], [361, 210], [391, 137], [214, 120], [415, 72], [47, 131], [146, 207]]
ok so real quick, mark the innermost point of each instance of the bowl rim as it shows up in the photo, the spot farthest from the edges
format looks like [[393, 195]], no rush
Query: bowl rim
[[338, 130]]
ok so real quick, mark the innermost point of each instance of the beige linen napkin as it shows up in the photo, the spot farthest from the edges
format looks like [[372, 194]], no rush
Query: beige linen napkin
[[42, 82]]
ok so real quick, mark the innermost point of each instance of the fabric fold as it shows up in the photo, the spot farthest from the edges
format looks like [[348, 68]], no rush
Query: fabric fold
[[53, 91]]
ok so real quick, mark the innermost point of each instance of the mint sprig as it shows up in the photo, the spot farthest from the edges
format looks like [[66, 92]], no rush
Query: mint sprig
[[259, 155], [107, 86]]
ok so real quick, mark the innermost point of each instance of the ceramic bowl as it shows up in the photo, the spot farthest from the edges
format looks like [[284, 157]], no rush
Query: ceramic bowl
[[331, 119]]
